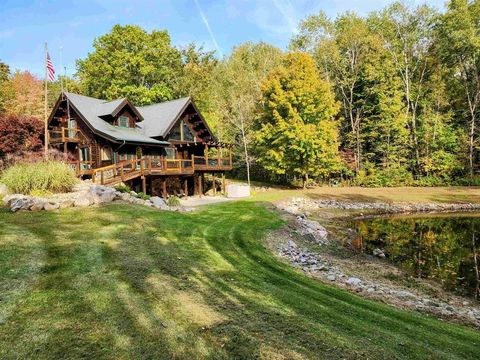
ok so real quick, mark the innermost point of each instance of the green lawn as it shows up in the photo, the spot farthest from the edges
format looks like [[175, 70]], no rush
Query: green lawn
[[131, 282], [441, 194]]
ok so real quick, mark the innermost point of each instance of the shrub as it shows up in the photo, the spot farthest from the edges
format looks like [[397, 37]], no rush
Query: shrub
[[173, 201], [19, 134], [122, 188], [143, 196], [39, 177]]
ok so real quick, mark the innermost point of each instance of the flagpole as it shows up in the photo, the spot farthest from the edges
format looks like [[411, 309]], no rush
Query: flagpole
[[46, 103]]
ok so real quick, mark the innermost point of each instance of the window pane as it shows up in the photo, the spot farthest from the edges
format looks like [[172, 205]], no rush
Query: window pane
[[170, 153], [187, 134], [175, 133], [123, 121]]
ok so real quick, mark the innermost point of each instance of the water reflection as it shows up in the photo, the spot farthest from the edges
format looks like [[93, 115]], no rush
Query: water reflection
[[442, 247]]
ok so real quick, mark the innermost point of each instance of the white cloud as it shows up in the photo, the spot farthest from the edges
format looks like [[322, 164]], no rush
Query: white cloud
[[207, 25]]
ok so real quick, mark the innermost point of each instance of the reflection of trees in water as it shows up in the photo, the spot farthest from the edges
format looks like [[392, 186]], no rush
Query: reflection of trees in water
[[439, 247]]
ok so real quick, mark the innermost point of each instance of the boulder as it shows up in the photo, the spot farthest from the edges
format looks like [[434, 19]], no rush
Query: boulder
[[378, 252], [83, 200], [125, 197], [9, 198], [66, 203], [353, 281], [158, 202], [38, 205], [106, 197], [22, 203], [49, 206]]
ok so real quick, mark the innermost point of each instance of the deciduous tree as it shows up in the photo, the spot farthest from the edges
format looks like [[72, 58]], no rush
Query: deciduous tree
[[130, 62], [297, 132]]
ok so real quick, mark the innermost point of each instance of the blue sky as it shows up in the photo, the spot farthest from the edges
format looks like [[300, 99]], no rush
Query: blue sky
[[217, 24]]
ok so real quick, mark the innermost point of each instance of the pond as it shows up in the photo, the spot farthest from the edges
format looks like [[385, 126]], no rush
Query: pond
[[443, 247]]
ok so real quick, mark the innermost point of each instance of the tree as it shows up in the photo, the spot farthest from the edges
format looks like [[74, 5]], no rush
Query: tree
[[196, 77], [238, 79], [55, 88], [19, 134], [27, 96], [407, 35], [297, 132], [342, 49], [459, 49], [130, 62], [5, 88]]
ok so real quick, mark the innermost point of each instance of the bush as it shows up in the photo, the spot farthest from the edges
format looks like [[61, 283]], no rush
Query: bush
[[173, 201], [143, 196], [39, 178], [122, 188]]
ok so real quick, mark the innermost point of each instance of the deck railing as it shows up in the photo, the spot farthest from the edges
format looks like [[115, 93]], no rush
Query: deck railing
[[61, 135], [81, 167], [130, 169]]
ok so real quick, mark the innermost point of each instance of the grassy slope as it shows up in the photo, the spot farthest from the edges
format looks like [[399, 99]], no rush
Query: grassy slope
[[126, 281]]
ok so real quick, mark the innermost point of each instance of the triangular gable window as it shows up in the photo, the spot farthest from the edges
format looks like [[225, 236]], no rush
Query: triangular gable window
[[181, 131]]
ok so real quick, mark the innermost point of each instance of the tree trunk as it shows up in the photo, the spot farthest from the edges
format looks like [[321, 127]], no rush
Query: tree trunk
[[245, 150], [305, 181]]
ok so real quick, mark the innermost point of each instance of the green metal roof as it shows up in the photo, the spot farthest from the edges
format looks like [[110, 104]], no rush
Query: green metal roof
[[91, 110]]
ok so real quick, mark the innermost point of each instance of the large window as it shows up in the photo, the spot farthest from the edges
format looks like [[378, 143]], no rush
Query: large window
[[187, 134], [176, 133], [123, 121], [181, 132], [170, 153], [106, 153], [126, 156]]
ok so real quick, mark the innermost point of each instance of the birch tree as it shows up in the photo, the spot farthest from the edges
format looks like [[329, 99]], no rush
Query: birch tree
[[459, 45]]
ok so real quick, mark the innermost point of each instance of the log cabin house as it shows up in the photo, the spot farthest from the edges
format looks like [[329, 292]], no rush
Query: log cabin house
[[161, 149]]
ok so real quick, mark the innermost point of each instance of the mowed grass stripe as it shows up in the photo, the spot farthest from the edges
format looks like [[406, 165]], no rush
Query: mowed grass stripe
[[131, 282]]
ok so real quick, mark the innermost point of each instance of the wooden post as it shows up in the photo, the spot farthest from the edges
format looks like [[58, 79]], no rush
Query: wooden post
[[230, 154], [122, 176], [185, 185], [164, 188], [224, 189], [101, 177], [144, 184], [195, 191], [218, 156], [200, 187], [214, 184], [206, 156]]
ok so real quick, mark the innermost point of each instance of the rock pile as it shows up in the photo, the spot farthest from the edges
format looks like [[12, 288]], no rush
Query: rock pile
[[312, 230], [312, 263], [83, 195], [300, 205]]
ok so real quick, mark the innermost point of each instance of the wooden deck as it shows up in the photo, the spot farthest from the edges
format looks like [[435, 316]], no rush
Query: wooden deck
[[131, 169], [63, 135]]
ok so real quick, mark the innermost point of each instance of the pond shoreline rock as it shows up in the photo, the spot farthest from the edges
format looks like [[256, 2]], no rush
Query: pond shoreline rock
[[323, 266], [298, 206], [83, 194], [319, 267]]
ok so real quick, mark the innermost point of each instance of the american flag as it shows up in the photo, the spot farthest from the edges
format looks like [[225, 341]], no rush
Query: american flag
[[50, 68]]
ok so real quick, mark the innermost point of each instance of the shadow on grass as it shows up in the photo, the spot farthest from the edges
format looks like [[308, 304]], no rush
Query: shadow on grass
[[117, 280]]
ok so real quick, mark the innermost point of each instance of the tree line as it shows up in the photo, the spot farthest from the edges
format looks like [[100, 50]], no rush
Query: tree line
[[391, 98]]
